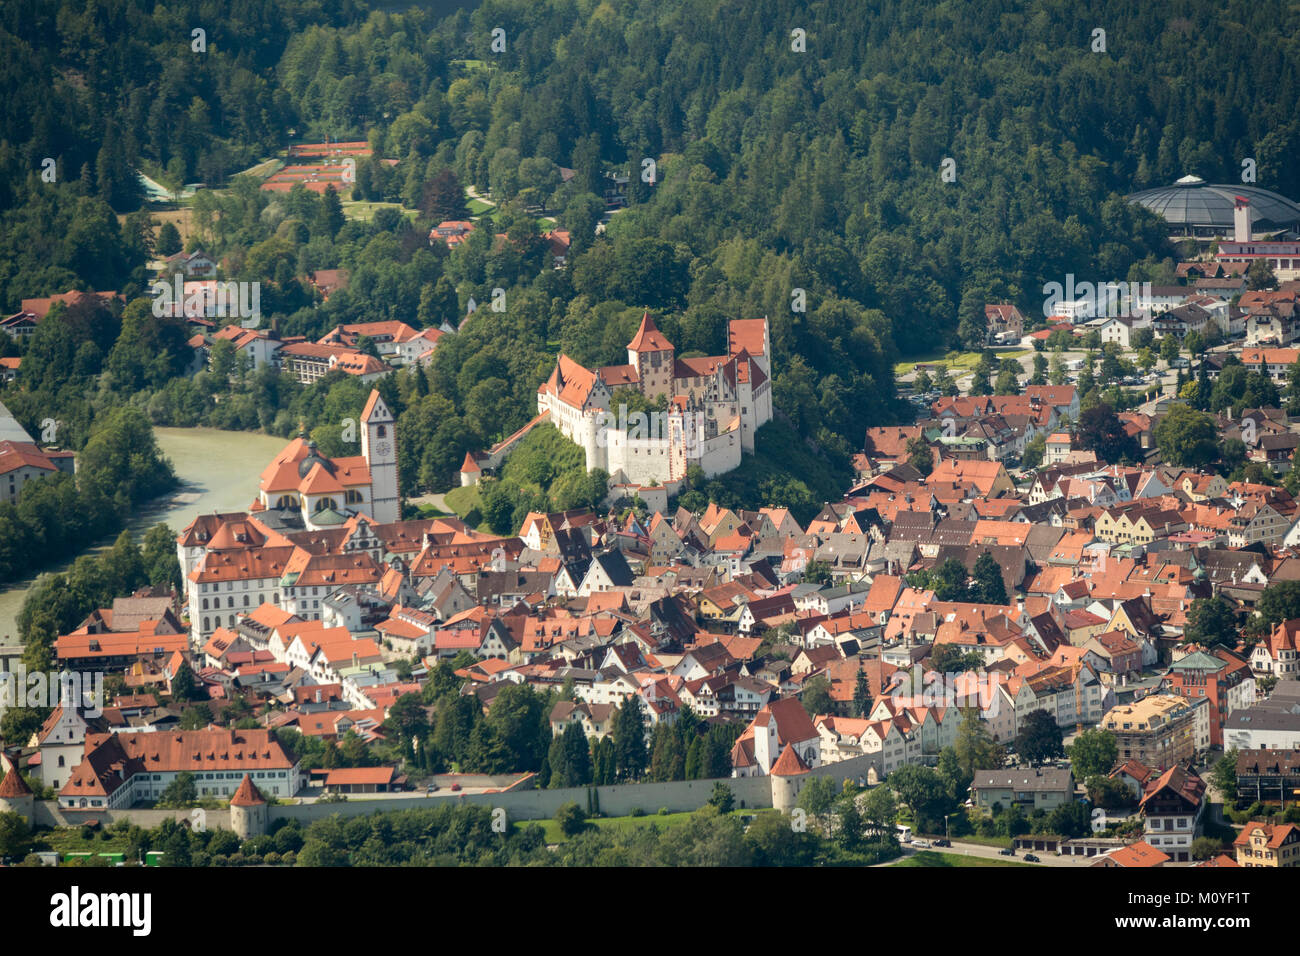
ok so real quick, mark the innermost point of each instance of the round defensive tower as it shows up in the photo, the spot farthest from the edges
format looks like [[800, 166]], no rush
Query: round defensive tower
[[249, 813]]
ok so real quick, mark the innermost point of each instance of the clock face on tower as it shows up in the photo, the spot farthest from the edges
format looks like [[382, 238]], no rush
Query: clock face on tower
[[383, 448]]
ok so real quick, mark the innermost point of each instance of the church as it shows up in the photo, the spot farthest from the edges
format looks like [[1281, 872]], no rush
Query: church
[[327, 491]]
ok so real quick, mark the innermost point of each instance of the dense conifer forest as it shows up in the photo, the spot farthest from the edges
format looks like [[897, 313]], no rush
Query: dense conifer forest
[[776, 169]]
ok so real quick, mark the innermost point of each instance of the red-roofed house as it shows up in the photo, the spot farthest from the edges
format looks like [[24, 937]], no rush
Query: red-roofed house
[[117, 770], [780, 724], [1140, 854], [1268, 845]]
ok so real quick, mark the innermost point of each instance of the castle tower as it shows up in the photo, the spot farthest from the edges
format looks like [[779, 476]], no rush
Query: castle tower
[[788, 776], [470, 472], [594, 441], [15, 795], [249, 814], [652, 356], [379, 448]]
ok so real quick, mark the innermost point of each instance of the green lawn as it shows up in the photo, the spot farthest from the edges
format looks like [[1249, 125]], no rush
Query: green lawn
[[482, 212], [261, 170], [464, 500], [69, 840], [956, 360], [365, 211], [553, 834], [998, 842], [930, 858]]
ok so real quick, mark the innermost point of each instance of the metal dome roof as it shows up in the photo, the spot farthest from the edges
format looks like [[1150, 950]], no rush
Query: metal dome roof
[[1193, 202], [313, 458]]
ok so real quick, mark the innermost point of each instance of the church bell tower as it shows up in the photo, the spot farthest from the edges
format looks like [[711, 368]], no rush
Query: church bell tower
[[379, 448]]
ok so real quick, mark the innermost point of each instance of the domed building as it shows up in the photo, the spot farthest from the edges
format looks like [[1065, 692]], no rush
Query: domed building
[[1196, 209]]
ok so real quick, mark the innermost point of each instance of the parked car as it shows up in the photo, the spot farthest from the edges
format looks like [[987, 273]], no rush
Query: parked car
[[942, 842], [1030, 858], [924, 844], [1007, 851]]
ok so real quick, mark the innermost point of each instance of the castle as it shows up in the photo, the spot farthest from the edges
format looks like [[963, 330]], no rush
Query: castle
[[714, 404], [326, 491]]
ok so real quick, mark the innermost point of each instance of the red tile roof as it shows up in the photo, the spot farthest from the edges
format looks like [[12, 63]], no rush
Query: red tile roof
[[1140, 854], [247, 795], [789, 764], [746, 335], [13, 784], [15, 455], [648, 338]]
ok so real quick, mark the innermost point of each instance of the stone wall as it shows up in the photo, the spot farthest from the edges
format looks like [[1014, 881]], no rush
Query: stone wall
[[616, 801], [520, 804], [48, 814]]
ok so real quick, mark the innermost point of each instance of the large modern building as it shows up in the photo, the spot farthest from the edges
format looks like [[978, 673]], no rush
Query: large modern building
[[1271, 724], [1196, 209]]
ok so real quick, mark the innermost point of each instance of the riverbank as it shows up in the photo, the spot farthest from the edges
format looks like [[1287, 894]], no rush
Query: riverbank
[[218, 472]]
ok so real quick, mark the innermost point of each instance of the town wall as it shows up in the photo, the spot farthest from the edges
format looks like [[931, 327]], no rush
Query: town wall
[[48, 814], [615, 801], [620, 800]]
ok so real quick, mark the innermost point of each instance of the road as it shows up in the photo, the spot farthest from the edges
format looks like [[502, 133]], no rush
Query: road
[[473, 193], [959, 848], [439, 501]]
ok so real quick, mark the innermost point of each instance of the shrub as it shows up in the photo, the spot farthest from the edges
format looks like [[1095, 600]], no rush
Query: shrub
[[722, 798], [571, 818]]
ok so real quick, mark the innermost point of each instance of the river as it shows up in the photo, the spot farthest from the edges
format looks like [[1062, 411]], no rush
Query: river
[[218, 471]]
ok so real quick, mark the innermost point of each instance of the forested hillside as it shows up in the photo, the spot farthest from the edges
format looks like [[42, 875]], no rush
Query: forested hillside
[[776, 171]]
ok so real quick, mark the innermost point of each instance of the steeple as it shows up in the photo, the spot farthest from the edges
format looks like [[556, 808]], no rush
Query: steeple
[[379, 448]]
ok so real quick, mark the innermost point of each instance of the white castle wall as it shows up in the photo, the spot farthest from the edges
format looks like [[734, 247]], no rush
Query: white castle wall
[[641, 460], [721, 453]]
